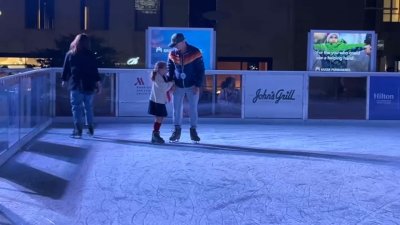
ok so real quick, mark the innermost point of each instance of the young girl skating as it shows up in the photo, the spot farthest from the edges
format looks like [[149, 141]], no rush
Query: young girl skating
[[158, 98]]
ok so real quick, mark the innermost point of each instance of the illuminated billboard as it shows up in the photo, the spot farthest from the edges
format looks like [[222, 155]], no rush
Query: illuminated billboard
[[341, 51], [158, 38]]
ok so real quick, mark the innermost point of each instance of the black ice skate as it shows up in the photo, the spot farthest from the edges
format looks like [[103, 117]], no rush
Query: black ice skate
[[77, 132], [156, 138], [193, 135], [90, 130], [176, 135]]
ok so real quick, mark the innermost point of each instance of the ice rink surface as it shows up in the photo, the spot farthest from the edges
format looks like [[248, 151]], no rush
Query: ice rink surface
[[243, 172]]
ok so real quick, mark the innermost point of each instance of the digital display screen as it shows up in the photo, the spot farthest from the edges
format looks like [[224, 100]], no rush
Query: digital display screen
[[158, 38], [342, 51]]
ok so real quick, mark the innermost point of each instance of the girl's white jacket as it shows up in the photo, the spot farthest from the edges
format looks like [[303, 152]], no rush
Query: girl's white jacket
[[159, 89]]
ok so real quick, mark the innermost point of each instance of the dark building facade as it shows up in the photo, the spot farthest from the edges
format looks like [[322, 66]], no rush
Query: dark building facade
[[267, 30]]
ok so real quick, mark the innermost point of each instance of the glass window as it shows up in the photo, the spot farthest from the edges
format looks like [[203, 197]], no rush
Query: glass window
[[95, 14], [39, 14], [148, 13], [391, 11]]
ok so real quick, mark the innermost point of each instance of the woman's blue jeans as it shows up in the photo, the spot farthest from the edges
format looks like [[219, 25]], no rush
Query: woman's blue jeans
[[82, 104]]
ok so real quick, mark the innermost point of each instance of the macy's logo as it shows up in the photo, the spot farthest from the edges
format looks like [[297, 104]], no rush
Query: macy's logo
[[139, 81]]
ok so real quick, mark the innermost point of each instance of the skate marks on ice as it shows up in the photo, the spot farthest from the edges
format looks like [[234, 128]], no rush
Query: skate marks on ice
[[125, 181], [190, 186], [7, 217], [196, 146]]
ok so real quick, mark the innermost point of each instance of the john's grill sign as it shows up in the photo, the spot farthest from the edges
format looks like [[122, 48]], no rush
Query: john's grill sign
[[275, 96]]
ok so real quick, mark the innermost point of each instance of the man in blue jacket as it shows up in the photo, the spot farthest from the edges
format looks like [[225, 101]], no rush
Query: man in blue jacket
[[186, 68]]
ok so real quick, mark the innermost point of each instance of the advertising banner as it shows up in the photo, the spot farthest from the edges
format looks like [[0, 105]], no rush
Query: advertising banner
[[273, 96], [158, 38], [341, 51], [384, 98], [134, 92]]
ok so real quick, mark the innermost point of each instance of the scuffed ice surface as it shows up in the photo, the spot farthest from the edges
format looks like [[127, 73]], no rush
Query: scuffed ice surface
[[271, 173]]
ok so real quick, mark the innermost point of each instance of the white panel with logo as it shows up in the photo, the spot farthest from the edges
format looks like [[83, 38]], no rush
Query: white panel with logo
[[272, 96], [134, 91]]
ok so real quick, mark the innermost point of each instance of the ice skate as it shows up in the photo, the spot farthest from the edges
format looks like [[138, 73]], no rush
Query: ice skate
[[156, 138], [176, 135], [77, 132], [194, 136], [90, 131]]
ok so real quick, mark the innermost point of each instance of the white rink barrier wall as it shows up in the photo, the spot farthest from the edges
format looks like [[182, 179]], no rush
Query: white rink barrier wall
[[278, 95]]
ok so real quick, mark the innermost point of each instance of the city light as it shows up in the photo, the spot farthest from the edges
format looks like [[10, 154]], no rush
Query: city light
[[133, 61]]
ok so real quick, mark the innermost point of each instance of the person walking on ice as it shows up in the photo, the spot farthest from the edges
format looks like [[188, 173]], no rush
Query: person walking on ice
[[81, 75]]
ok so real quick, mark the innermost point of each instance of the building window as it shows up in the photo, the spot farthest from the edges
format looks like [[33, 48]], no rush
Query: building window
[[148, 13], [95, 14], [39, 14], [197, 10], [391, 11]]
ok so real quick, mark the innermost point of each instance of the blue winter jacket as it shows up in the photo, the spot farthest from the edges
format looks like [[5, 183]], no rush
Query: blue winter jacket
[[190, 63]]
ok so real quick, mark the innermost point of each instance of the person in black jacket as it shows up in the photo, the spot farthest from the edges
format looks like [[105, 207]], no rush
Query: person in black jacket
[[186, 68], [81, 73]]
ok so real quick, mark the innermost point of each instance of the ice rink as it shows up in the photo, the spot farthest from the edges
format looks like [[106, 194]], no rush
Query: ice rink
[[244, 172]]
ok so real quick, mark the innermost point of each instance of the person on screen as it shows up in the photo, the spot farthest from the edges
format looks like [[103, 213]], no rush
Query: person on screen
[[81, 72], [334, 43], [229, 94], [336, 52], [229, 98], [158, 98], [186, 68]]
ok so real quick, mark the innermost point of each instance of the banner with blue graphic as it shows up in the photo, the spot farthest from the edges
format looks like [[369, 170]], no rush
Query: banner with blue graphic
[[158, 38], [384, 98]]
